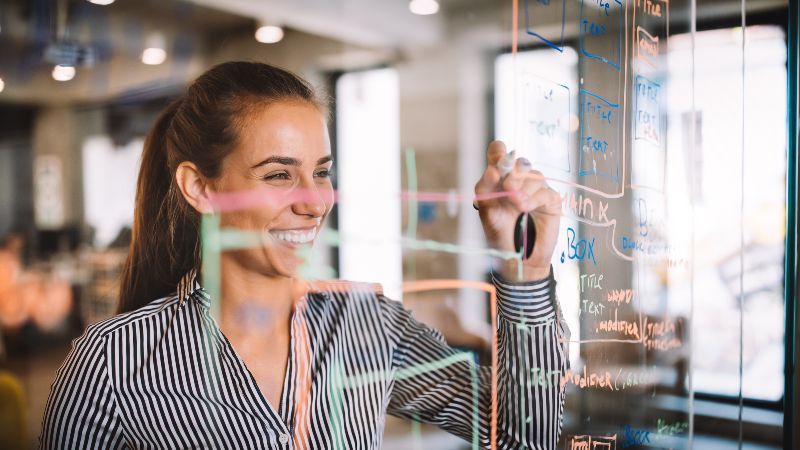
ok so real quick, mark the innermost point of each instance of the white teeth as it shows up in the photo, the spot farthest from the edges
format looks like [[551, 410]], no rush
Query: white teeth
[[295, 237]]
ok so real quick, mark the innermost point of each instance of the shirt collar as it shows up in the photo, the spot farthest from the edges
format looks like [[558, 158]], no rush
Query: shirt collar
[[189, 288]]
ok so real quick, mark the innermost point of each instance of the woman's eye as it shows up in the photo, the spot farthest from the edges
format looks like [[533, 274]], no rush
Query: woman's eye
[[325, 173], [276, 176]]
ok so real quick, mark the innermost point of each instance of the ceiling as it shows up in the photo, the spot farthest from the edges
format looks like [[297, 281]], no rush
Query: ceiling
[[330, 31]]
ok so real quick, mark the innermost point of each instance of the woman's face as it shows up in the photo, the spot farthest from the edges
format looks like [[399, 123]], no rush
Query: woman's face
[[284, 153]]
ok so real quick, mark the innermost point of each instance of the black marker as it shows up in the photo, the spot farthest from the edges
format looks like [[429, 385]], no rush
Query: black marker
[[524, 235]]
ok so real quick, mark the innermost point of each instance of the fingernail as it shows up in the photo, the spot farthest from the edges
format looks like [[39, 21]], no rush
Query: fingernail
[[525, 162], [506, 164]]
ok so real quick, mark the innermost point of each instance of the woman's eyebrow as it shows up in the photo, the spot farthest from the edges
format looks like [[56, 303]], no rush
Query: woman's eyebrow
[[289, 161], [285, 160]]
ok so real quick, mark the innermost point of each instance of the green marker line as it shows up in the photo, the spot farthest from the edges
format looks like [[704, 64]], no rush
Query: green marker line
[[416, 433], [364, 379], [337, 393], [475, 425], [211, 248], [333, 237], [232, 239], [447, 247], [214, 240]]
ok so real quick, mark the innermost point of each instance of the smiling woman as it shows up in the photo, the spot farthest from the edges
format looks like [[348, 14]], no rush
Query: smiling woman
[[215, 134], [283, 148], [293, 364]]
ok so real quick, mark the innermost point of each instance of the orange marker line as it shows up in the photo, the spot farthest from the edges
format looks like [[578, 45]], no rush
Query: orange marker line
[[515, 27], [431, 285], [303, 374]]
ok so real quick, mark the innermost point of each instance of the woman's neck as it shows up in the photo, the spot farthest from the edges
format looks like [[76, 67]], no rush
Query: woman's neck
[[254, 303]]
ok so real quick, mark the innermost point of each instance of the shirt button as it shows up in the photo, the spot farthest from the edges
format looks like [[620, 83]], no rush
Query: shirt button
[[283, 438]]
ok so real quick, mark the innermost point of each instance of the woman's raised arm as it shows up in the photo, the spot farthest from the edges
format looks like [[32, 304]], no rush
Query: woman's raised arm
[[437, 384]]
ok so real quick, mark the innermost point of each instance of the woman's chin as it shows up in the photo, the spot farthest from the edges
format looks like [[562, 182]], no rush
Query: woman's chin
[[286, 263]]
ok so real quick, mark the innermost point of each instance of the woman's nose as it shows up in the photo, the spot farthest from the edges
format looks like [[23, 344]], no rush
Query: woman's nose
[[311, 201]]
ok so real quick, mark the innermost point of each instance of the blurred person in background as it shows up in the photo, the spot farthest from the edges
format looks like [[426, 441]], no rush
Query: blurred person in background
[[15, 287], [29, 294], [13, 312]]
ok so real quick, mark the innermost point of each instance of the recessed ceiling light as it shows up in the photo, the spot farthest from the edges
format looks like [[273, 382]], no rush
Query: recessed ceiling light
[[153, 56], [269, 34], [2, 85], [101, 2], [63, 73], [424, 7], [154, 52]]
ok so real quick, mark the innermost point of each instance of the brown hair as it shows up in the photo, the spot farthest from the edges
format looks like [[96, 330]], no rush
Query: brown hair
[[201, 127]]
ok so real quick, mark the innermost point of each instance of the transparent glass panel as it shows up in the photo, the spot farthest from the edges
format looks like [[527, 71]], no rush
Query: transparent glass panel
[[347, 294]]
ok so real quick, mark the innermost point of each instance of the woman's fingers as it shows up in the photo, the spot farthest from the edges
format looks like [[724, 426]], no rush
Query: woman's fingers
[[527, 188], [490, 180], [530, 190], [545, 200], [496, 150], [522, 165]]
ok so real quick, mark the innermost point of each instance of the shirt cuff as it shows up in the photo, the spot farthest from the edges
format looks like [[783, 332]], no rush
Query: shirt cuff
[[526, 301]]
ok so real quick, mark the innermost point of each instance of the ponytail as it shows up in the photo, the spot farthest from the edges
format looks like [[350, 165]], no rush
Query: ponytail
[[165, 241], [202, 127]]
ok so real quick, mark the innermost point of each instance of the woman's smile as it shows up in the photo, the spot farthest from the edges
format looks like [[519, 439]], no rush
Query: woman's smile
[[292, 237]]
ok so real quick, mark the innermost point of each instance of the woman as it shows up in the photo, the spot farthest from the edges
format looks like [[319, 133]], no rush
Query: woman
[[315, 368]]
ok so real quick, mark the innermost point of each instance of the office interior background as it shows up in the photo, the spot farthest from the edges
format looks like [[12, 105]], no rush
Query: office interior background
[[668, 127]]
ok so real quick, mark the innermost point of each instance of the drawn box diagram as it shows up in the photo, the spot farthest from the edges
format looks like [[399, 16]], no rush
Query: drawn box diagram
[[651, 34], [544, 121], [599, 152], [541, 12], [647, 47], [647, 120], [648, 154], [601, 29], [587, 442]]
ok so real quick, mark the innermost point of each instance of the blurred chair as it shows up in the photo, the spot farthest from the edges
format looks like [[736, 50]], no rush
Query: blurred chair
[[13, 426]]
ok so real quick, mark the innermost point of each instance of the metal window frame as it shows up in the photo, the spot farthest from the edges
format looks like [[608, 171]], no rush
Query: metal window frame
[[791, 421]]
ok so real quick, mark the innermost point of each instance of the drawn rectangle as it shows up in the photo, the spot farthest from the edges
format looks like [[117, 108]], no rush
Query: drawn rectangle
[[650, 31], [545, 115], [604, 442], [598, 37], [648, 158], [588, 442], [578, 443], [545, 8], [599, 147], [647, 47], [647, 125]]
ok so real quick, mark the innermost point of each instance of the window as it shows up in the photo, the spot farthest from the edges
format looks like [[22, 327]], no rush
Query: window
[[719, 204], [368, 167]]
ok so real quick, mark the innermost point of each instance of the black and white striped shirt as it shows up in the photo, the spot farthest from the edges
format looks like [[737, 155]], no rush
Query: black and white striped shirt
[[164, 376]]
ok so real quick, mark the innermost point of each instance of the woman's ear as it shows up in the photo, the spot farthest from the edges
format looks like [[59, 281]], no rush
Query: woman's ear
[[193, 186]]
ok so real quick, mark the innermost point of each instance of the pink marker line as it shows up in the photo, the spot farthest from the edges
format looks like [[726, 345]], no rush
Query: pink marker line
[[265, 197]]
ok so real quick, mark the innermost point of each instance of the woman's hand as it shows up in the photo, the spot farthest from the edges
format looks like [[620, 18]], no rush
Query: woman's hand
[[529, 192]]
